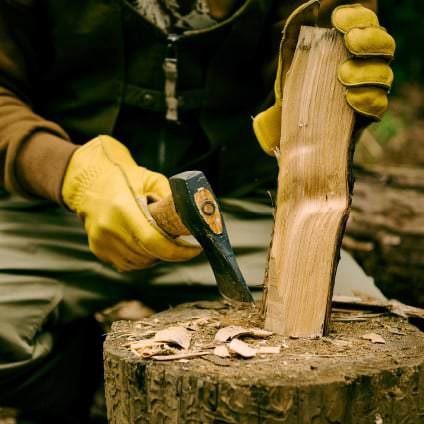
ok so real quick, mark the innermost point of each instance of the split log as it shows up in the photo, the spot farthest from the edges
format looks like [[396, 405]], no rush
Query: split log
[[313, 188], [385, 232], [345, 378]]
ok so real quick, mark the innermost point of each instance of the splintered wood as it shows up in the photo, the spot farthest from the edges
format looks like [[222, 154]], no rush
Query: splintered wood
[[313, 188]]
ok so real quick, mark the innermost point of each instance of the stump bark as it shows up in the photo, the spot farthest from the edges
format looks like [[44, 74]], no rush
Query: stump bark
[[341, 379], [385, 231]]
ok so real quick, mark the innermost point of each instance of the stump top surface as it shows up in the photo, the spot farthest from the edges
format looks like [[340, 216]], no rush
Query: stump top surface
[[342, 356]]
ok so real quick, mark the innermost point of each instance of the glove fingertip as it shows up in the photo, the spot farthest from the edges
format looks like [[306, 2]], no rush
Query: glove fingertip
[[371, 102], [348, 16]]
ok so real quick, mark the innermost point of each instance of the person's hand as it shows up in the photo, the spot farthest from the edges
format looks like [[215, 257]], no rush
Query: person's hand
[[106, 188], [366, 75]]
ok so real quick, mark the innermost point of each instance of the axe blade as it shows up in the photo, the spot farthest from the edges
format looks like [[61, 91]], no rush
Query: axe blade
[[198, 209]]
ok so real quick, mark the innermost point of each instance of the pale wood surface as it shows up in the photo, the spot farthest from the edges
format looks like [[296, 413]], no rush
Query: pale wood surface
[[313, 188]]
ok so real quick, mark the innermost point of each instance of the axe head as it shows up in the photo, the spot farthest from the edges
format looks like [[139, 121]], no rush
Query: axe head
[[198, 209]]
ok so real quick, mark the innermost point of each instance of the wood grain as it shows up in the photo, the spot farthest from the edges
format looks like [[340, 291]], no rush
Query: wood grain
[[166, 216], [313, 188]]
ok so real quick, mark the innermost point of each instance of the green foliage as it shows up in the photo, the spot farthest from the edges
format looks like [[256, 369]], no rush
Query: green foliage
[[388, 127]]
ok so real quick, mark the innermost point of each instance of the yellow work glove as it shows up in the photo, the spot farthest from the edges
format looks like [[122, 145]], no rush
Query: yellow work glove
[[106, 188], [366, 75]]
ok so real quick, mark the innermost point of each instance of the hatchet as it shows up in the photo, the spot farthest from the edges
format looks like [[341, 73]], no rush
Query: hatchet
[[193, 209]]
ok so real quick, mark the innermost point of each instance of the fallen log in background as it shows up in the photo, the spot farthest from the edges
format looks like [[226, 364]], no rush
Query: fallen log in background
[[385, 231], [313, 188]]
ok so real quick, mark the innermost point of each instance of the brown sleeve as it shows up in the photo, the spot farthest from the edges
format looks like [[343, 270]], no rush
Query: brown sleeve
[[34, 152]]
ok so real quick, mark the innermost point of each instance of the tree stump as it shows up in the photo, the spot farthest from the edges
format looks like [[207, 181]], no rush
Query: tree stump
[[385, 231], [342, 378]]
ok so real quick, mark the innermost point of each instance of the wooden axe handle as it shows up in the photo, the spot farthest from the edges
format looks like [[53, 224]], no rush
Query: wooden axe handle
[[165, 215]]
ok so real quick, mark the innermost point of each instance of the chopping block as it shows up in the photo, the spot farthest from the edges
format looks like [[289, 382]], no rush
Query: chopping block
[[343, 378], [369, 368]]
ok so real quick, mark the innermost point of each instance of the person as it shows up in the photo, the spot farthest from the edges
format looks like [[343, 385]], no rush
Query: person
[[100, 101]]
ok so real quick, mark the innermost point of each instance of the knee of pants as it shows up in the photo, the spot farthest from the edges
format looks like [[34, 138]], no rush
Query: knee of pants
[[28, 306], [62, 383]]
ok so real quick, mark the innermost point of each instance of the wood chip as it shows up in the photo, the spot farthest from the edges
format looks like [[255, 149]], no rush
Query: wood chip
[[178, 356], [228, 333], [148, 348], [194, 325], [269, 349], [140, 344], [175, 335], [374, 338], [405, 311], [221, 351], [242, 348]]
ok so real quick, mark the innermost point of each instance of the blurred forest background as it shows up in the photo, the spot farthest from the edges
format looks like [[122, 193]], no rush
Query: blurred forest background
[[385, 232], [400, 135]]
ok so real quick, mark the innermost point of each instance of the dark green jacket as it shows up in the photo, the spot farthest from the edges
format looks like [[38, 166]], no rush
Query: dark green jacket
[[89, 67]]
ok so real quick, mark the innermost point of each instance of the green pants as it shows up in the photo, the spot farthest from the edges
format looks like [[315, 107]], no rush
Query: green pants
[[51, 285]]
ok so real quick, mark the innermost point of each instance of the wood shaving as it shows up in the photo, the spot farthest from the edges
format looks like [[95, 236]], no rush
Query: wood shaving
[[196, 324], [232, 331], [378, 419], [374, 338], [242, 349], [175, 335], [221, 351], [405, 311], [149, 348], [178, 356], [345, 317]]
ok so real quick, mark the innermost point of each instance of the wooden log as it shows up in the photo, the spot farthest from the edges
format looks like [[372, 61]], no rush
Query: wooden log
[[313, 188], [385, 232], [345, 378]]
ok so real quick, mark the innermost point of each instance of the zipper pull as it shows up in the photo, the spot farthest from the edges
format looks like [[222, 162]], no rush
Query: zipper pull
[[170, 68]]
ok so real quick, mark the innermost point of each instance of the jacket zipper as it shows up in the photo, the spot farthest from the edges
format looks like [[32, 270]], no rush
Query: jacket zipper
[[170, 69], [170, 63]]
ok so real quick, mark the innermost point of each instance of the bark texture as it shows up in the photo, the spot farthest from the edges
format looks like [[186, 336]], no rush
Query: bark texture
[[385, 231], [310, 381]]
